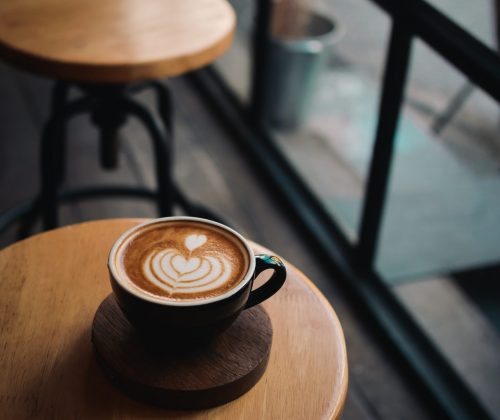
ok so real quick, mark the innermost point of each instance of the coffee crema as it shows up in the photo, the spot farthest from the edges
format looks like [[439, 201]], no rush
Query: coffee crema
[[182, 260]]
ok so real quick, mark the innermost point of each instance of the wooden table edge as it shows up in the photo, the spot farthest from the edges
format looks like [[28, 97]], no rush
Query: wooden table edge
[[345, 369], [344, 377]]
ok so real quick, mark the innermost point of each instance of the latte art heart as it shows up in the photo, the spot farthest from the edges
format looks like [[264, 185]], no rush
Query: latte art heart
[[195, 241], [173, 272]]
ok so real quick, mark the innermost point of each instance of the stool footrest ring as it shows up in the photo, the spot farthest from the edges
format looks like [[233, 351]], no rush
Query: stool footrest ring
[[31, 208]]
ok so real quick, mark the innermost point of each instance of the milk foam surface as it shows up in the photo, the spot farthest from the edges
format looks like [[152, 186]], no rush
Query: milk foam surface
[[183, 260]]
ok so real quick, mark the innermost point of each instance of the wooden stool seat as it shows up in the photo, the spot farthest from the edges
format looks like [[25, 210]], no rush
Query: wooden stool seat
[[50, 288], [114, 41]]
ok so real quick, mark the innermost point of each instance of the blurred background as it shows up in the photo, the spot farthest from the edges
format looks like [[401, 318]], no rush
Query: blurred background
[[278, 136]]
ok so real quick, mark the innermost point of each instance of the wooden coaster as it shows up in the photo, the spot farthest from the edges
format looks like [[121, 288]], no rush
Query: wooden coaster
[[203, 376]]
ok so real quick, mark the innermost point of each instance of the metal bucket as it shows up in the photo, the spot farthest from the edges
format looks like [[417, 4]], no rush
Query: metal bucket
[[293, 67]]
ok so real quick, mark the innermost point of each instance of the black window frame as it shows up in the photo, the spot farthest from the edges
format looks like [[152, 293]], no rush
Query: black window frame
[[354, 262]]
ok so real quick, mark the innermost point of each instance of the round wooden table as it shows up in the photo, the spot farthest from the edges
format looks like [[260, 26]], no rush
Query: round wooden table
[[50, 287], [114, 41]]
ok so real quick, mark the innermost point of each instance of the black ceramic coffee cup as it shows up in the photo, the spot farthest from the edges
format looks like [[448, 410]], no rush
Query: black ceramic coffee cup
[[202, 318]]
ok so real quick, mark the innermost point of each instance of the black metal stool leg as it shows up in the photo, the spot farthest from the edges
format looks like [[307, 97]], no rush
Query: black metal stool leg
[[50, 173], [109, 118], [162, 155], [60, 93], [52, 144], [59, 98], [165, 108], [163, 100]]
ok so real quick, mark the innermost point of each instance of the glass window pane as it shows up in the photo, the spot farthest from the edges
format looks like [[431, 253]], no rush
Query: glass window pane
[[443, 203], [332, 146]]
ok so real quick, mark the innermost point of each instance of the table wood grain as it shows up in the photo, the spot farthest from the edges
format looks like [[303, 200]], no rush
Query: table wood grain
[[50, 287], [114, 40]]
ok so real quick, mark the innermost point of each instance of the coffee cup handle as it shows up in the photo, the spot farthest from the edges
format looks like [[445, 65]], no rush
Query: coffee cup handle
[[270, 287]]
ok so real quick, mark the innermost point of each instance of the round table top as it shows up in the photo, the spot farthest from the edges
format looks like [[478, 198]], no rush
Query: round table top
[[50, 287], [114, 41]]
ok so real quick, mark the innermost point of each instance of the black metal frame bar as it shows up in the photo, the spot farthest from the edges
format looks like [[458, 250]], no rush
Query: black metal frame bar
[[378, 177], [429, 370]]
